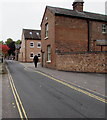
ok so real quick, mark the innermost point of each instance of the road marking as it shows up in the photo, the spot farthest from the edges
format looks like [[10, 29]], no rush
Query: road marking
[[75, 88], [16, 101], [86, 89], [19, 104]]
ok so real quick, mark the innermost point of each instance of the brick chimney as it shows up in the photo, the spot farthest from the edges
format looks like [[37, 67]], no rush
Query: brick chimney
[[78, 5]]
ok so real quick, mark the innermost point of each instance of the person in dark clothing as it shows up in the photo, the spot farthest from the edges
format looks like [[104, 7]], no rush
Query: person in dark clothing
[[35, 59]]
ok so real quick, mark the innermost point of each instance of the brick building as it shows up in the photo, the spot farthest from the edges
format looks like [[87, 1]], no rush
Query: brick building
[[74, 40], [30, 46]]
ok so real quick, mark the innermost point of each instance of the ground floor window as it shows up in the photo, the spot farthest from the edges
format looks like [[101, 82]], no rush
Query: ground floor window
[[31, 55], [49, 53], [39, 55]]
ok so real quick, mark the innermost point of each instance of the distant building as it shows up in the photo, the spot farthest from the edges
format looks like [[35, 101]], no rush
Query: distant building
[[17, 51], [74, 40], [30, 46]]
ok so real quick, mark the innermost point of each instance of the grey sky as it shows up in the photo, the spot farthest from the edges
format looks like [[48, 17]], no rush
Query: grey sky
[[18, 14]]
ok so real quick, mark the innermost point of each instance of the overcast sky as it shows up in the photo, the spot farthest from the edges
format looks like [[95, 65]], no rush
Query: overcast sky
[[18, 14]]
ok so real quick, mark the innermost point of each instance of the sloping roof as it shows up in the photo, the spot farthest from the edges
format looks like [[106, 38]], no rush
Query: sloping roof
[[78, 1], [32, 34], [73, 13]]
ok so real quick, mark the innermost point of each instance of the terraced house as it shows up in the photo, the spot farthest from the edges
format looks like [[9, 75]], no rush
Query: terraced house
[[74, 40], [31, 45]]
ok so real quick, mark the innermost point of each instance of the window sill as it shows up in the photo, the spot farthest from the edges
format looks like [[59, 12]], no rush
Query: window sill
[[46, 38], [104, 32], [48, 61], [31, 57]]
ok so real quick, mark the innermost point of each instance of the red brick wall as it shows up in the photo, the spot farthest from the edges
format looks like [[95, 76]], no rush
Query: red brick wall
[[96, 34], [71, 34], [34, 50], [88, 62], [25, 50], [50, 40], [68, 34]]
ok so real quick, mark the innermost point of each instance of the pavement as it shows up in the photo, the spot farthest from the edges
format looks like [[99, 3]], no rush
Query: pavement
[[91, 82], [3, 68]]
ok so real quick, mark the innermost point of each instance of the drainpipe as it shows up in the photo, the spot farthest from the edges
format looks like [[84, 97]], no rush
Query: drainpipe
[[25, 50], [89, 35]]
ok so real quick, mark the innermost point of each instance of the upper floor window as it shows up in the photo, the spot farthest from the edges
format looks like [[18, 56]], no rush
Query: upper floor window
[[46, 30], [30, 33], [37, 33], [31, 44], [104, 28], [39, 45]]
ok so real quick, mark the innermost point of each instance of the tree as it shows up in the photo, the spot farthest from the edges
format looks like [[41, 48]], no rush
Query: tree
[[13, 45], [4, 49], [1, 42], [9, 40], [18, 42], [12, 48]]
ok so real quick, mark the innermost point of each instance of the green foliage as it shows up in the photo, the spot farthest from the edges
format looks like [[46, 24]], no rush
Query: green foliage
[[9, 40], [18, 42], [1, 42]]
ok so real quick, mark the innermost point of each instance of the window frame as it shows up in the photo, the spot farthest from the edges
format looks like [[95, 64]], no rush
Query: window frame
[[32, 56], [104, 28], [49, 53], [31, 45], [37, 33], [46, 30], [38, 43], [30, 33], [39, 54]]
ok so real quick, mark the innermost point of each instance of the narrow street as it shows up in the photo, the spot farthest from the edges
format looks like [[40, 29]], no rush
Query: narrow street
[[40, 96]]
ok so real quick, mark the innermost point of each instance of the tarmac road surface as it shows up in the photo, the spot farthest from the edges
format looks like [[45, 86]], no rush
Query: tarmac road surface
[[38, 95]]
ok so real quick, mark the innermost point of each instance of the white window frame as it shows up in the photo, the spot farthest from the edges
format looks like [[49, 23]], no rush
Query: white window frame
[[49, 53], [40, 55], [32, 56], [40, 45], [46, 30], [104, 28], [37, 33], [30, 33], [31, 46]]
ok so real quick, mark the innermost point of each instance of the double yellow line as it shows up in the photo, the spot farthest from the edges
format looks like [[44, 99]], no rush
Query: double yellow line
[[19, 104], [75, 88]]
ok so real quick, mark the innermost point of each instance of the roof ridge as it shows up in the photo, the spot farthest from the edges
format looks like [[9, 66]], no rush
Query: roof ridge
[[95, 13], [73, 13], [59, 8], [31, 29]]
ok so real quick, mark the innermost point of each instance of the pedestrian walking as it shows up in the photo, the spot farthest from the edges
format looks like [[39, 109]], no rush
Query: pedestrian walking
[[35, 59]]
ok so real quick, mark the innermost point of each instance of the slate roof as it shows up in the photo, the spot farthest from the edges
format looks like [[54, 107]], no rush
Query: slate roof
[[73, 13], [32, 34]]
